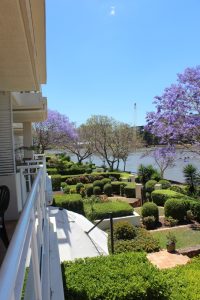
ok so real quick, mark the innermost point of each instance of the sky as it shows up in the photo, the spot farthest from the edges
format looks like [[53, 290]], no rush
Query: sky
[[103, 56]]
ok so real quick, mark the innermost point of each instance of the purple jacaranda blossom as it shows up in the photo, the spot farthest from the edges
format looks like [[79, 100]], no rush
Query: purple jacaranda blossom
[[177, 115]]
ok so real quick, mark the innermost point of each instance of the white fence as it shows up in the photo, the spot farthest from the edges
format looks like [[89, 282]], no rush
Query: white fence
[[28, 240]]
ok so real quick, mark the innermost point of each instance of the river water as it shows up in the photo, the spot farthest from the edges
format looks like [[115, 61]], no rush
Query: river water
[[173, 173]]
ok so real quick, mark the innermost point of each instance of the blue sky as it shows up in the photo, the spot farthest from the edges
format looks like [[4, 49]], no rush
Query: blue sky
[[103, 56]]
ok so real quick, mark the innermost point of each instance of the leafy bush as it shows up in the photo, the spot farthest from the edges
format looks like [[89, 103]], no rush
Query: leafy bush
[[176, 209], [122, 276], [129, 192], [195, 209], [97, 190], [89, 191], [56, 182], [123, 230], [105, 181], [107, 189], [145, 173], [150, 209], [52, 171], [177, 188], [170, 222], [149, 185], [71, 202], [66, 189], [160, 196], [98, 183], [149, 222], [102, 210], [116, 185], [156, 176], [79, 186], [165, 183]]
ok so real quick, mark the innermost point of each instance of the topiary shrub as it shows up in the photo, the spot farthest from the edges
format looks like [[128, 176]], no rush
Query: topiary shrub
[[107, 189], [66, 189], [116, 185], [195, 209], [105, 181], [177, 188], [176, 209], [96, 190], [165, 184], [123, 230], [149, 185], [160, 196], [98, 183], [56, 182], [150, 209], [149, 222], [71, 202], [52, 171], [129, 192], [89, 191], [79, 186]]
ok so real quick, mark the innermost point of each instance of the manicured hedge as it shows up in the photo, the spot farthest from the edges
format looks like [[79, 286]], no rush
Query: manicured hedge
[[120, 277], [116, 186], [52, 171], [56, 182], [160, 196], [165, 184], [150, 209], [129, 191], [102, 210], [176, 209], [71, 202], [107, 189], [149, 185]]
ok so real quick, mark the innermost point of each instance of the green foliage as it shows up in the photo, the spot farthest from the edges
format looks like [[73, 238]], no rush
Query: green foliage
[[149, 222], [124, 276], [97, 190], [165, 184], [156, 176], [107, 189], [176, 209], [178, 189], [52, 171], [56, 182], [150, 209], [116, 185], [169, 221], [89, 191], [79, 186], [145, 173], [123, 230], [160, 196], [66, 189], [171, 238], [149, 185], [195, 209], [192, 177], [129, 191], [98, 183], [103, 209], [71, 202], [105, 181]]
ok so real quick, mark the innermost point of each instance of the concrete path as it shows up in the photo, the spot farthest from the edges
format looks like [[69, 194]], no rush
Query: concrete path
[[165, 260]]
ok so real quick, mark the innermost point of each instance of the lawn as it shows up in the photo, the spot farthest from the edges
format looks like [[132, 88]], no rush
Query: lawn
[[186, 237], [160, 208]]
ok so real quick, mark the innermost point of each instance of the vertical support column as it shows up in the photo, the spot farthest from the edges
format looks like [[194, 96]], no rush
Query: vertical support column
[[28, 139], [7, 155]]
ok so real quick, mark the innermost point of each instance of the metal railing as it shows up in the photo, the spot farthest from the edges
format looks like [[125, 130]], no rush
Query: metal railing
[[29, 235]]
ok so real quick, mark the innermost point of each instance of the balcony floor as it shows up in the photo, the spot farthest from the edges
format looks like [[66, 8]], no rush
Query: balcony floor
[[10, 228]]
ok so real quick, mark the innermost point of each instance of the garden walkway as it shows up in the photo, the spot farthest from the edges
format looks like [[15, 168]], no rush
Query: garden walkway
[[165, 260]]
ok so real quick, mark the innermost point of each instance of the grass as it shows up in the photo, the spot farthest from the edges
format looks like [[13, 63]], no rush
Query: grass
[[186, 237], [160, 208]]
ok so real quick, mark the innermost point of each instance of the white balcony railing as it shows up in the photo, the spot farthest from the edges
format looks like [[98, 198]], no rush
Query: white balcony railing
[[28, 244]]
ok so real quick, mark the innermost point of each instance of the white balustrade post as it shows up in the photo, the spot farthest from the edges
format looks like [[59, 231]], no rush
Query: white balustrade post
[[36, 263], [138, 190]]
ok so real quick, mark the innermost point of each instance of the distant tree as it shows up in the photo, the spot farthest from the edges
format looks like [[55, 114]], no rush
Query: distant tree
[[192, 177], [177, 115], [52, 132]]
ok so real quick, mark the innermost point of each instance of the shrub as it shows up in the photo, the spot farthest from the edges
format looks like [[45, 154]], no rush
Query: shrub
[[156, 176], [129, 192], [97, 190], [123, 230], [170, 222], [177, 188], [145, 173], [176, 209], [103, 210], [149, 222], [150, 209], [52, 171], [71, 202], [160, 196], [165, 183], [195, 209], [98, 183], [116, 185], [149, 185], [107, 189], [66, 189], [89, 191], [122, 276], [105, 181], [56, 182], [79, 186]]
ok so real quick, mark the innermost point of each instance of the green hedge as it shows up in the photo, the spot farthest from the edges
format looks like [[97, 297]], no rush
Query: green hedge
[[176, 208], [71, 202], [150, 209], [116, 186], [129, 191], [165, 184], [149, 185], [52, 171], [102, 210], [120, 277], [107, 189], [56, 182], [160, 196]]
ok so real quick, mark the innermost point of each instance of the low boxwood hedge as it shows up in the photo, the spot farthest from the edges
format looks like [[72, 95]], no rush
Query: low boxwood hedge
[[176, 208], [102, 210], [150, 209], [71, 202], [121, 276], [160, 196]]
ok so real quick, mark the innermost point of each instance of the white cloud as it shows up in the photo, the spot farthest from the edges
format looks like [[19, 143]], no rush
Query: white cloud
[[112, 11]]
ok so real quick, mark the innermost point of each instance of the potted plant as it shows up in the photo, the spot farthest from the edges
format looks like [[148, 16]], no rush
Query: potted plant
[[171, 242]]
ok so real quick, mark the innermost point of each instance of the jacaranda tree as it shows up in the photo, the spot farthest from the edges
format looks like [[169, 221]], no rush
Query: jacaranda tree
[[177, 115], [53, 132]]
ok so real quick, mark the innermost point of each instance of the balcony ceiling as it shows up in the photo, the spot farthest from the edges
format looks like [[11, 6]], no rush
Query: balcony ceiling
[[22, 40]]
